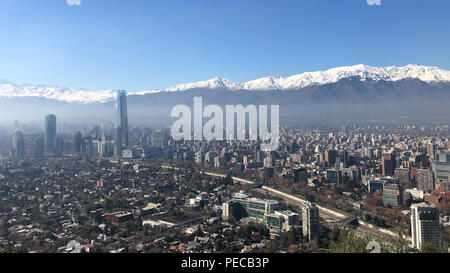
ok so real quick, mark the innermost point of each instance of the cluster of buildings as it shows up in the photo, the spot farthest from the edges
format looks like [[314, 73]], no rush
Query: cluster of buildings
[[404, 165], [48, 144], [266, 211]]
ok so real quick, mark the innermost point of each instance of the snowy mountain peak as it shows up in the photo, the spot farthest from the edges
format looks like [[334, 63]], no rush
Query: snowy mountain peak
[[214, 83], [364, 72], [273, 83]]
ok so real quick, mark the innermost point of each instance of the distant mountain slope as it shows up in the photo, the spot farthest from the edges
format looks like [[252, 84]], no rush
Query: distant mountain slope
[[299, 82], [347, 99], [350, 94]]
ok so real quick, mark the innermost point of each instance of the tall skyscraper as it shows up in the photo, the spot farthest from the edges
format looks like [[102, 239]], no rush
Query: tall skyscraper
[[425, 225], [39, 149], [78, 141], [310, 219], [158, 139], [19, 145], [425, 181], [50, 133], [330, 157], [441, 170], [341, 159], [87, 146], [388, 164], [59, 147], [121, 130]]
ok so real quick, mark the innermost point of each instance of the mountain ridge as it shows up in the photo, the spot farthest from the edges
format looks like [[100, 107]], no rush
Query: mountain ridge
[[429, 74]]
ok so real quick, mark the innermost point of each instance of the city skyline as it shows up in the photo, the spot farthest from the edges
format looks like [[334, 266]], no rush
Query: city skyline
[[228, 127]]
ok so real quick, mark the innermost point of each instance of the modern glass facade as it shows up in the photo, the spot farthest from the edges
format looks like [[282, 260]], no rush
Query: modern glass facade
[[121, 126], [50, 133], [272, 220], [256, 208]]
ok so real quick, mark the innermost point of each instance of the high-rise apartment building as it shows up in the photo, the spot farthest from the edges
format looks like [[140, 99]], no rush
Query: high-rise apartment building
[[425, 225], [310, 219], [403, 175], [425, 181]]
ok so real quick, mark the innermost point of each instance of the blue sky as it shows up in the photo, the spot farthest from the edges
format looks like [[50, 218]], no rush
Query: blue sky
[[151, 44]]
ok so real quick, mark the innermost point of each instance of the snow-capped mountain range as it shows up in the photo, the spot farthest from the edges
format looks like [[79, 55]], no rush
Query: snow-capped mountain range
[[427, 74]]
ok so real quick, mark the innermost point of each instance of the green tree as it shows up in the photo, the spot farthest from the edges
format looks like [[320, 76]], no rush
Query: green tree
[[429, 248]]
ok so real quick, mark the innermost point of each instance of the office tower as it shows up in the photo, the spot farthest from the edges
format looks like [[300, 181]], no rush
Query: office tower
[[39, 149], [375, 185], [334, 176], [78, 142], [50, 133], [342, 159], [121, 130], [441, 171], [101, 149], [105, 149], [19, 145], [388, 164], [87, 146], [425, 180], [300, 175], [158, 139], [59, 147], [330, 157], [310, 218], [425, 225]]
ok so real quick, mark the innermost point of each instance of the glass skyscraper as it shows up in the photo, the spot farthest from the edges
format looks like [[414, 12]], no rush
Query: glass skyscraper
[[19, 144], [50, 133], [121, 127]]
